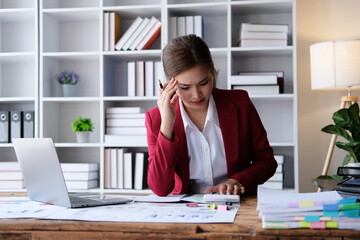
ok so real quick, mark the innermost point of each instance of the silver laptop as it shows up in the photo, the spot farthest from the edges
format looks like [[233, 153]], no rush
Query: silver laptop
[[44, 179]]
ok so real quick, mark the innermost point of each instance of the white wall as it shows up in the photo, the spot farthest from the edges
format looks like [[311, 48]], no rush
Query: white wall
[[317, 21]]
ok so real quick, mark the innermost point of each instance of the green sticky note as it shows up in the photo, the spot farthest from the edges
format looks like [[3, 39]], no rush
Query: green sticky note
[[304, 224], [331, 224], [350, 206]]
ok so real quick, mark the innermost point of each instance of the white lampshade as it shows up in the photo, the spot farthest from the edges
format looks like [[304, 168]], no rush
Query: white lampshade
[[335, 64]]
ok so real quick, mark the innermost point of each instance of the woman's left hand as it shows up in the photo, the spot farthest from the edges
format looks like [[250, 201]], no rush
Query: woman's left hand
[[231, 186]]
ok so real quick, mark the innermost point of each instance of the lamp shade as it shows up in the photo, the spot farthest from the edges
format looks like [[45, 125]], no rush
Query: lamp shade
[[335, 64]]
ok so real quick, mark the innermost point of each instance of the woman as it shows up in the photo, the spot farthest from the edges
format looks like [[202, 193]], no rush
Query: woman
[[202, 139]]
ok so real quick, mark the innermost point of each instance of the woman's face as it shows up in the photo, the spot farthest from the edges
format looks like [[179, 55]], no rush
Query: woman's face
[[195, 87]]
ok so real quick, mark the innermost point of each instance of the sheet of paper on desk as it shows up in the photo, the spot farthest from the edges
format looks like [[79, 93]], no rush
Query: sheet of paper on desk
[[149, 212], [23, 207]]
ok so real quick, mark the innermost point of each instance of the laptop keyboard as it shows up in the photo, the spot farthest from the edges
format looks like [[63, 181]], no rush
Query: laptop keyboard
[[80, 200]]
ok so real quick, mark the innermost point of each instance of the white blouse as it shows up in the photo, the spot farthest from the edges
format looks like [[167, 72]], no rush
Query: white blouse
[[206, 150]]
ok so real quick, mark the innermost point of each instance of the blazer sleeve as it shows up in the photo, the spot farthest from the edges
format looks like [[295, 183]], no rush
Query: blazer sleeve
[[162, 159]]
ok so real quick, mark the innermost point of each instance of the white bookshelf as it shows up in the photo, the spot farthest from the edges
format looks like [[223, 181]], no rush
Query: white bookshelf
[[71, 37], [18, 62]]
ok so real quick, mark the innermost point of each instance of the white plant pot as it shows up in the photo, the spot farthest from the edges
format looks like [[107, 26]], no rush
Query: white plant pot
[[353, 171], [68, 90], [83, 137]]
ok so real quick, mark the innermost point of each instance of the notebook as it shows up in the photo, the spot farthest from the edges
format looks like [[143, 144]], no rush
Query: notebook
[[44, 179]]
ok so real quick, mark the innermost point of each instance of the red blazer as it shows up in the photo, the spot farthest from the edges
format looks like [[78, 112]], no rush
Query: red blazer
[[249, 157]]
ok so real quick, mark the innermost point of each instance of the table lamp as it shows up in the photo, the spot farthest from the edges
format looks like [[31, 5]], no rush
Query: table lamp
[[335, 65]]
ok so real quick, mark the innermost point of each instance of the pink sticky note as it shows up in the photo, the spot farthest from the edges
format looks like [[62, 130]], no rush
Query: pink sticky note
[[317, 225], [192, 204], [223, 208], [293, 205]]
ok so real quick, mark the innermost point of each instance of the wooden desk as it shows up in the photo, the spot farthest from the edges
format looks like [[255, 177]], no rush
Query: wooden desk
[[247, 225]]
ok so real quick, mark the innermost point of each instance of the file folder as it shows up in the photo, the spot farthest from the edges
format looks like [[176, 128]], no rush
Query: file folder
[[4, 126], [15, 124], [28, 124]]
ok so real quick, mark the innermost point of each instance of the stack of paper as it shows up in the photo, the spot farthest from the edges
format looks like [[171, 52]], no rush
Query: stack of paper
[[281, 210]]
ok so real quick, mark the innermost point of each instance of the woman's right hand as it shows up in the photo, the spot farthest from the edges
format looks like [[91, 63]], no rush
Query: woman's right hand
[[167, 102]]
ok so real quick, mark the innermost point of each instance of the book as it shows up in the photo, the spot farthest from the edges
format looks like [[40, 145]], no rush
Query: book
[[10, 175], [254, 79], [128, 33], [273, 185], [131, 79], [85, 184], [12, 184], [81, 175], [263, 35], [107, 168], [135, 34], [125, 115], [251, 27], [277, 177], [258, 89], [143, 33], [121, 110], [279, 158], [128, 170], [149, 78], [120, 166], [79, 167], [173, 28], [151, 37], [181, 26], [140, 78], [10, 166], [114, 30], [279, 168], [126, 131], [158, 74], [263, 43], [113, 168], [351, 185], [106, 31], [125, 122], [279, 74], [198, 26], [141, 166], [189, 21], [126, 140]]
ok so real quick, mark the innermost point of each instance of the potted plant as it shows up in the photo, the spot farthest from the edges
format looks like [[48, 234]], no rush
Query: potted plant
[[68, 81], [82, 127], [347, 125]]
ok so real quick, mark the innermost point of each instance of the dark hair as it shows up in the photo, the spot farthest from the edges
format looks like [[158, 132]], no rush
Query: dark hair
[[185, 52]]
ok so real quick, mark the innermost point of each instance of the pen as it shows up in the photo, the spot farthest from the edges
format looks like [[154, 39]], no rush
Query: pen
[[160, 84]]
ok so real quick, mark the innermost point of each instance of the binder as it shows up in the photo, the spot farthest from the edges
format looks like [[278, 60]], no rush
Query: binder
[[4, 126], [15, 124], [28, 124]]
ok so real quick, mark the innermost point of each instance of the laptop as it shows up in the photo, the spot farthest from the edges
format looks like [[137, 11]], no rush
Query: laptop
[[44, 179]]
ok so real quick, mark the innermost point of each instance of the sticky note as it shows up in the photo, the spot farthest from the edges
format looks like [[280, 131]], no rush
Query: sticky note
[[330, 213], [293, 205], [304, 224], [306, 204], [331, 224], [213, 206], [331, 207], [318, 203], [317, 225], [312, 219], [192, 204], [350, 206], [348, 200], [350, 213], [223, 208]]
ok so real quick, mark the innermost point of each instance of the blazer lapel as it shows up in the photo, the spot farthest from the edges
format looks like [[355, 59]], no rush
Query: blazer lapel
[[228, 119]]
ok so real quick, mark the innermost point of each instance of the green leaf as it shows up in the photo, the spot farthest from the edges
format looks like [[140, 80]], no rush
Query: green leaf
[[348, 147], [335, 129], [341, 118], [346, 160]]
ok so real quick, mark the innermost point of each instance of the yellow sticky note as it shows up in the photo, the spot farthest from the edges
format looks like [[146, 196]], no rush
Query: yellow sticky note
[[304, 224], [306, 204], [331, 224]]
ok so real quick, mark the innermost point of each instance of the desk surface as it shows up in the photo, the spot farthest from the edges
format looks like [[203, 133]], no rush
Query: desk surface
[[247, 225]]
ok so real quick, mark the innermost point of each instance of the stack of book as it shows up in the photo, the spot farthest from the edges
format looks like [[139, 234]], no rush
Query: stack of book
[[259, 82], [81, 175], [112, 30], [276, 181], [142, 78], [125, 169], [263, 35], [352, 185], [142, 34], [320, 210], [125, 126], [11, 176], [184, 25]]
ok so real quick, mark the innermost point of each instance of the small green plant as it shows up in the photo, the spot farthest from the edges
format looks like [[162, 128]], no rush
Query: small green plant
[[82, 124]]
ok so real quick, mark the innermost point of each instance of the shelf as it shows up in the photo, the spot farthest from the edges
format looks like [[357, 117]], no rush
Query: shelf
[[17, 57], [261, 51], [73, 14], [13, 15], [261, 7]]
